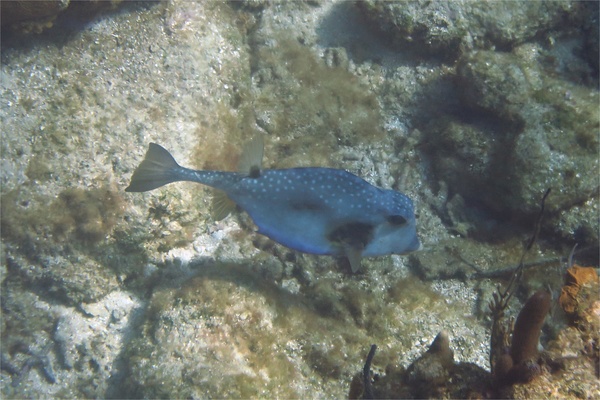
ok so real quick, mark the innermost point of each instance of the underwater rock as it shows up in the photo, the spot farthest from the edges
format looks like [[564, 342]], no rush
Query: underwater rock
[[37, 16], [228, 334], [459, 258], [432, 375], [67, 235], [547, 138], [498, 82], [580, 223], [432, 368], [63, 351], [592, 27], [523, 130], [310, 107], [72, 279], [97, 333], [30, 15], [442, 29], [47, 244]]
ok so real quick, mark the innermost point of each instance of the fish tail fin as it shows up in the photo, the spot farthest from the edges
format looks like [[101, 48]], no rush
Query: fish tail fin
[[157, 169]]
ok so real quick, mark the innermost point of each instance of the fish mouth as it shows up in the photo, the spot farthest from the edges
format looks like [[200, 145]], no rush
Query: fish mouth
[[415, 245]]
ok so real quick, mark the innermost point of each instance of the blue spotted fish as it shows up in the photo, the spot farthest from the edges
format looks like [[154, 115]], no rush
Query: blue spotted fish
[[313, 210]]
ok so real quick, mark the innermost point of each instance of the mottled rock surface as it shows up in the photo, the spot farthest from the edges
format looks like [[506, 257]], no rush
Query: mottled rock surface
[[109, 294], [444, 29], [522, 128]]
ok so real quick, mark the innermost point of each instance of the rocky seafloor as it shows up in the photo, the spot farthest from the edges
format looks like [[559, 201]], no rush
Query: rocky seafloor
[[473, 109]]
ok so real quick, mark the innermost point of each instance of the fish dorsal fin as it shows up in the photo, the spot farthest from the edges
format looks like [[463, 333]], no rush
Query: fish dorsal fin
[[221, 205], [252, 155], [354, 255]]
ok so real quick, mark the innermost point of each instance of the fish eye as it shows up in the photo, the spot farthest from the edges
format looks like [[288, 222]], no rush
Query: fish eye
[[396, 220]]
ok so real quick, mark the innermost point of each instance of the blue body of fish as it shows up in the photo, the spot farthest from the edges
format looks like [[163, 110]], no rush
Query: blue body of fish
[[312, 210]]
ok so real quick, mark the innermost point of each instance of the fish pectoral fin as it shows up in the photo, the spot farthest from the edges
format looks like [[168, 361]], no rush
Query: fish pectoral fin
[[354, 256], [221, 205], [252, 156], [352, 237]]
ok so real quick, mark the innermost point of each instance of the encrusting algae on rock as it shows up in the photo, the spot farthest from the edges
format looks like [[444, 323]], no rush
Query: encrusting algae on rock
[[243, 317]]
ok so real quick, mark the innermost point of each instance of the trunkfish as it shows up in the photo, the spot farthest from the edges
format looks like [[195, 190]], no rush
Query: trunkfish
[[314, 210]]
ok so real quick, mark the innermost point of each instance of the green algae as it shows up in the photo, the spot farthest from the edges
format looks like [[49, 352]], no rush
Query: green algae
[[310, 107], [39, 169], [73, 247], [574, 110], [315, 338], [78, 215], [173, 225], [523, 129], [90, 215], [21, 319], [258, 338], [306, 108]]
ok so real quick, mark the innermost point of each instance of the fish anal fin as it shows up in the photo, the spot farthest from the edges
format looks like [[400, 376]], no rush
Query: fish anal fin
[[354, 256], [252, 156], [221, 206]]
